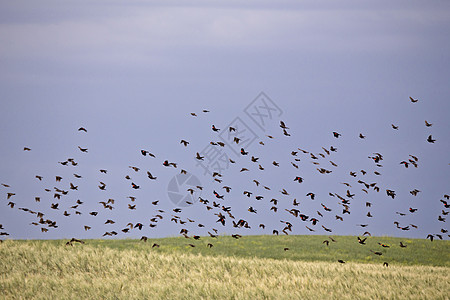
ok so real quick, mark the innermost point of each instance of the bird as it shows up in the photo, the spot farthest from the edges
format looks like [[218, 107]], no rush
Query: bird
[[150, 176], [428, 124], [184, 142], [214, 128], [326, 229], [413, 100], [166, 163], [252, 210], [341, 261], [430, 139], [283, 126], [336, 135], [83, 149]]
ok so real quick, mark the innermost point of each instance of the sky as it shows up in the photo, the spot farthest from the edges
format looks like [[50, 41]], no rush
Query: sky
[[132, 73]]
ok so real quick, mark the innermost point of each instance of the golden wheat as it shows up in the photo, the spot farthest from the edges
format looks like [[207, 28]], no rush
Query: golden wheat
[[42, 270]]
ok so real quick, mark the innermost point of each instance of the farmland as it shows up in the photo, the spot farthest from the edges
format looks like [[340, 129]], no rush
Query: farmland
[[252, 267]]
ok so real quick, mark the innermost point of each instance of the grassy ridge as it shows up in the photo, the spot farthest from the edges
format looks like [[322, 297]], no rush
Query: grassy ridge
[[232, 269]]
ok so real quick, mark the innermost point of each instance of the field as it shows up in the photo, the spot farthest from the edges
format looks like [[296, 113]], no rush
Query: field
[[252, 267]]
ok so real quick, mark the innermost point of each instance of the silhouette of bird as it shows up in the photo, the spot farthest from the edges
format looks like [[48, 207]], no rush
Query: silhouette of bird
[[430, 139], [282, 125], [252, 210], [311, 195]]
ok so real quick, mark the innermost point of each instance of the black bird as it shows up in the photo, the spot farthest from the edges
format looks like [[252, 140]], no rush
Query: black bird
[[299, 179], [310, 194], [151, 176], [83, 149], [362, 241], [282, 125]]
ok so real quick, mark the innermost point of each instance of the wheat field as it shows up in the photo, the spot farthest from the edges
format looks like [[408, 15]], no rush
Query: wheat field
[[50, 270]]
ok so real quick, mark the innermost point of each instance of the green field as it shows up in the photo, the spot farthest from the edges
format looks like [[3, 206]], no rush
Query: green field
[[252, 267]]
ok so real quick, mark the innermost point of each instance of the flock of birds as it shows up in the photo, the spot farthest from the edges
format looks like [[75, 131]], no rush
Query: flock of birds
[[215, 202]]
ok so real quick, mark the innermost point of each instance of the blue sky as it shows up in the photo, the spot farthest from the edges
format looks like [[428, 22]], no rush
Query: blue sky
[[131, 73]]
